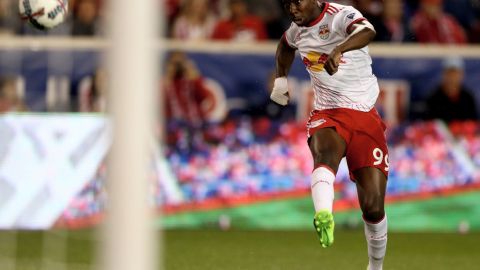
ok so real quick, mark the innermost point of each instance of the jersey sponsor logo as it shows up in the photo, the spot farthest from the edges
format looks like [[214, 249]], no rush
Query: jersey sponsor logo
[[351, 16], [324, 32], [315, 61], [316, 123]]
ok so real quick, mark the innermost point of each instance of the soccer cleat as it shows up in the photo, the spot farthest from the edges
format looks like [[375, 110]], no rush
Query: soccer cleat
[[324, 226]]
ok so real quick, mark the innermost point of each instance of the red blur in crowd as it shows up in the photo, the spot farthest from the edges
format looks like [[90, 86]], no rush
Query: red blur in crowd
[[188, 98], [241, 25], [432, 25]]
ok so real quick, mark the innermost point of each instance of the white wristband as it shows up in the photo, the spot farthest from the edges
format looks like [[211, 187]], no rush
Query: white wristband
[[280, 90]]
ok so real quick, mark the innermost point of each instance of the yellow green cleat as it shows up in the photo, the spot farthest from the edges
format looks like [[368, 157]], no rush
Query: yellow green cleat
[[324, 226]]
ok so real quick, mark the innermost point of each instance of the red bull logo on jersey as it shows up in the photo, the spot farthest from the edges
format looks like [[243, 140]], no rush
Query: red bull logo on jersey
[[315, 61], [324, 32]]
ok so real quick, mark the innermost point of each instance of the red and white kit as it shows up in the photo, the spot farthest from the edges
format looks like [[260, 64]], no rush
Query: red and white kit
[[344, 101]]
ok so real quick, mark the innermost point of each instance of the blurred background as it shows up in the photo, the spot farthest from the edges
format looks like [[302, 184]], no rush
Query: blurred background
[[225, 156]]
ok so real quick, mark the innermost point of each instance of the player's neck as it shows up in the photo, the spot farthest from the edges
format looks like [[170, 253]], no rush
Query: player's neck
[[317, 13], [322, 6]]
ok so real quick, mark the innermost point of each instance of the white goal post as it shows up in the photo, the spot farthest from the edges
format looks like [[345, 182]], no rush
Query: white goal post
[[129, 233]]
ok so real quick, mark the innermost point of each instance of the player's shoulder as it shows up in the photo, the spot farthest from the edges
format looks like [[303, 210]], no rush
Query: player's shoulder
[[338, 10], [293, 26], [334, 8], [293, 29], [343, 15], [292, 34]]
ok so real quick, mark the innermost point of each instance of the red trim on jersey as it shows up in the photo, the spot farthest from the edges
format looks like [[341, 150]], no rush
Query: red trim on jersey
[[284, 37], [321, 165], [354, 22], [332, 9], [320, 17]]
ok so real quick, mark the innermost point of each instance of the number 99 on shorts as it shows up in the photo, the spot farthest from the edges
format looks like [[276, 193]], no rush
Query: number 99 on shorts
[[380, 158]]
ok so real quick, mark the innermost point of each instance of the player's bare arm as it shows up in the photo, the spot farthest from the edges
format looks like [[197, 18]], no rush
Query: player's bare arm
[[361, 34], [283, 59]]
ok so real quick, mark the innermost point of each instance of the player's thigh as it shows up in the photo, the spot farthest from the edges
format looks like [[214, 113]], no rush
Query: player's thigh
[[367, 159], [327, 148], [368, 148], [371, 182], [371, 187]]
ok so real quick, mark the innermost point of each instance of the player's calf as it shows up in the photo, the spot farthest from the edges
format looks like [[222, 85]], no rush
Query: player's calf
[[376, 235], [371, 186], [323, 195]]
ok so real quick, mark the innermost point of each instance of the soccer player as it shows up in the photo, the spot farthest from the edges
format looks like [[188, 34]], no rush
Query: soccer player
[[332, 40]]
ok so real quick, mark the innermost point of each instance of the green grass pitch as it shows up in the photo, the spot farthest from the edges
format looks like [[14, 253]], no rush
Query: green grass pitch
[[230, 250]]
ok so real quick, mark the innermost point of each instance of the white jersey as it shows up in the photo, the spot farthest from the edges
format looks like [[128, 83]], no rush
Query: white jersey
[[354, 86]]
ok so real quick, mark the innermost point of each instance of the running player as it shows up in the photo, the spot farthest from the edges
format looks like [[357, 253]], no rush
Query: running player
[[332, 40]]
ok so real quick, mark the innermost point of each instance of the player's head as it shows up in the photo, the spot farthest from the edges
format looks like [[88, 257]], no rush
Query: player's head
[[238, 8], [302, 12], [196, 7], [453, 73], [432, 8]]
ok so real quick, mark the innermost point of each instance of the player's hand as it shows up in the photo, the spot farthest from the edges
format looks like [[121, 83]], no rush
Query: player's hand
[[280, 91], [333, 61]]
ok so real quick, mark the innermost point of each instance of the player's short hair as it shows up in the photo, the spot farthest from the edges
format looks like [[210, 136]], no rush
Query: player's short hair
[[285, 3]]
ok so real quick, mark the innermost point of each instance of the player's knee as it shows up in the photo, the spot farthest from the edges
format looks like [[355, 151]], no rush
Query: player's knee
[[374, 215], [323, 159], [373, 209], [326, 149], [324, 156]]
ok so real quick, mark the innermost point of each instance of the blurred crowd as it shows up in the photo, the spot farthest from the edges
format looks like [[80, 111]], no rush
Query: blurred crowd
[[248, 158], [190, 98], [467, 134], [425, 21]]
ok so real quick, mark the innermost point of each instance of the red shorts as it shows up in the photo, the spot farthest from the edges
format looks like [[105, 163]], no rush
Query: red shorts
[[363, 132]]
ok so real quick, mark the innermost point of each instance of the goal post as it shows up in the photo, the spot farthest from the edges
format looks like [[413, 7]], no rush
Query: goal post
[[129, 233]]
